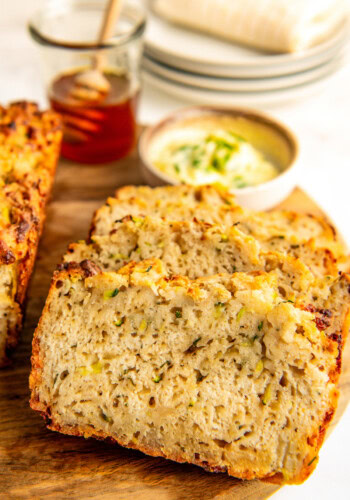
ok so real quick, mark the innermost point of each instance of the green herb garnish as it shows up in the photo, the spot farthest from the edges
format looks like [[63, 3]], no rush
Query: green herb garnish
[[241, 185], [184, 147], [195, 162], [260, 326]]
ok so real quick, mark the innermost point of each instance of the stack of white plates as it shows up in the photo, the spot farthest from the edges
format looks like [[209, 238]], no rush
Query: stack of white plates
[[202, 69]]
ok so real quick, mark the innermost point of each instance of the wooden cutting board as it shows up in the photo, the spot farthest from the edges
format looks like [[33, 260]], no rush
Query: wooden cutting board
[[36, 462]]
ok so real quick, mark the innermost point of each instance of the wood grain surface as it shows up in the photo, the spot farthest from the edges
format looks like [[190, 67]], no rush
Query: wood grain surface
[[37, 463]]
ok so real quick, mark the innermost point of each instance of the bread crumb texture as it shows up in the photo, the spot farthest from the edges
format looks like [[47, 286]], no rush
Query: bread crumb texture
[[225, 371]]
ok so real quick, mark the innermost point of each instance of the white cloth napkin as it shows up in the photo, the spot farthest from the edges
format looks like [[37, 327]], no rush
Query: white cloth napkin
[[274, 25]]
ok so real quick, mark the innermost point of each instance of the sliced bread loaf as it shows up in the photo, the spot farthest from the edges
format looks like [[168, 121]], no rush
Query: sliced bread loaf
[[196, 249], [221, 372], [278, 230]]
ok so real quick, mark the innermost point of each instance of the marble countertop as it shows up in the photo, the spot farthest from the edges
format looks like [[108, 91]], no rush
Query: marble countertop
[[322, 126]]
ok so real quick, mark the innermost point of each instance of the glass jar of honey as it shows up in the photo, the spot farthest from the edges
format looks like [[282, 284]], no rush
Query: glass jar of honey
[[95, 87]]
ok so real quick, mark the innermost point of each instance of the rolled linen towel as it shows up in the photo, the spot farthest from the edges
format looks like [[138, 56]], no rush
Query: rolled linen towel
[[273, 25]]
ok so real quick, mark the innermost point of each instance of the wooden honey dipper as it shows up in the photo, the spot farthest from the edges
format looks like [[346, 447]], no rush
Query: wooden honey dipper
[[91, 84]]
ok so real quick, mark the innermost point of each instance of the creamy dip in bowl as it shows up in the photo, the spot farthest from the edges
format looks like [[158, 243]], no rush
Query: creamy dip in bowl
[[247, 152]]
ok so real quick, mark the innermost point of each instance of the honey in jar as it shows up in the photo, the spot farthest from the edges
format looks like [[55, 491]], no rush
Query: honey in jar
[[98, 126]]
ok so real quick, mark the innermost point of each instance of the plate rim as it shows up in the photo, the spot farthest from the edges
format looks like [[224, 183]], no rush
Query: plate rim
[[338, 35], [251, 99], [175, 75]]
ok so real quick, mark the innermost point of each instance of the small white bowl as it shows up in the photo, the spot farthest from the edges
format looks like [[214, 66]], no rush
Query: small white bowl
[[269, 136]]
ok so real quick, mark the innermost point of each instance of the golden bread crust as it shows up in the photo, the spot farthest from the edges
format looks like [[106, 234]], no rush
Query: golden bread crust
[[29, 148]]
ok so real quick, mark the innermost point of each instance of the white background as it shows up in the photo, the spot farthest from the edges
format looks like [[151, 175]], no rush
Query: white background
[[322, 124]]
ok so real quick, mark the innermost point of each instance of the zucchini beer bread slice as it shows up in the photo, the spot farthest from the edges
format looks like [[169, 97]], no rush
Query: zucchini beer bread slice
[[192, 248], [29, 147], [221, 372], [276, 231]]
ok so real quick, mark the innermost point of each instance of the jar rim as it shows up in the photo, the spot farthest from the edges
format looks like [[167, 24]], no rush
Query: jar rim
[[113, 42]]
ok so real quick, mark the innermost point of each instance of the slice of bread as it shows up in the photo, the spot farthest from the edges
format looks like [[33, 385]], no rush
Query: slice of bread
[[192, 248], [277, 231], [221, 372], [207, 203], [29, 149]]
